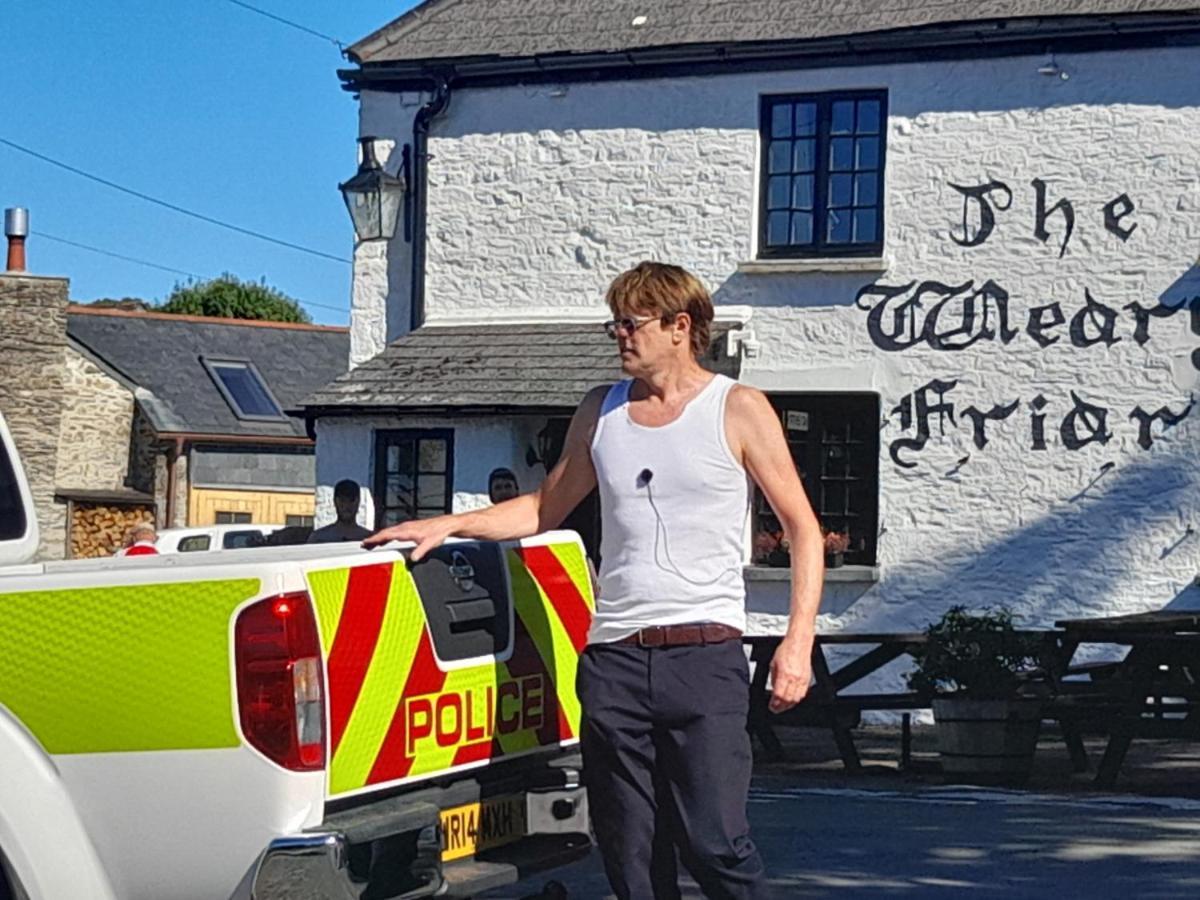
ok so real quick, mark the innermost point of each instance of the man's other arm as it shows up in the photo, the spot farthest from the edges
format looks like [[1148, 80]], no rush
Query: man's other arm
[[571, 479], [756, 437]]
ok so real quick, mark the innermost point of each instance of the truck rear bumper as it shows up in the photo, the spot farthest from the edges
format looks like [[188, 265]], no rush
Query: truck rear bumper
[[329, 864]]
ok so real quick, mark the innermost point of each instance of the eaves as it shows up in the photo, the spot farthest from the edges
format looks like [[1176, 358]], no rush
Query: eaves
[[973, 40]]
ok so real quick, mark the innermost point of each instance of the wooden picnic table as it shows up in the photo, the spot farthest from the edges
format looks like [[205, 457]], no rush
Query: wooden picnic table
[[1152, 692], [826, 704]]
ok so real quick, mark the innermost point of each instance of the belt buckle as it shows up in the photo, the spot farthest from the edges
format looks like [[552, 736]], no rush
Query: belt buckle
[[641, 636]]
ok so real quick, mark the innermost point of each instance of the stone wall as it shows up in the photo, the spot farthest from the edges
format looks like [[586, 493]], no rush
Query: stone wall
[[97, 421], [32, 360], [1026, 456]]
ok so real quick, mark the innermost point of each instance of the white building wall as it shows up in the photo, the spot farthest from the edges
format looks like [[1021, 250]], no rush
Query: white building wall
[[539, 196]]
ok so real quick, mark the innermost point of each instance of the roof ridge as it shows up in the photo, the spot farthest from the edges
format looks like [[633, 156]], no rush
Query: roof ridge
[[83, 309]]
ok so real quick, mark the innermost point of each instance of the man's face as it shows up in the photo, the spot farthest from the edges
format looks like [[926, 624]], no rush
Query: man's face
[[647, 344], [347, 507], [503, 489]]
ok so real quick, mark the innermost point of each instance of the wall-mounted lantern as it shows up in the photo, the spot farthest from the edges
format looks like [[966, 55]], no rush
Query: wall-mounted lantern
[[372, 196]]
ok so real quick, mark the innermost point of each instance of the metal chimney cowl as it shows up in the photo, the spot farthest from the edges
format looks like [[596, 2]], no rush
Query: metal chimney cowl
[[16, 229]]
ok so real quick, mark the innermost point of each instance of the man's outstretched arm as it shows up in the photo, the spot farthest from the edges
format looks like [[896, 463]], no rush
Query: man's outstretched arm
[[565, 486], [754, 428]]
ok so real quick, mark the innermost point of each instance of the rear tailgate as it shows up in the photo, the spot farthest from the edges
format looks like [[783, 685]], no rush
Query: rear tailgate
[[445, 666]]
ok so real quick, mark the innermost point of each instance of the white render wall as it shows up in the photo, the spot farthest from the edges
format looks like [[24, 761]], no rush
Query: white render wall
[[539, 196]]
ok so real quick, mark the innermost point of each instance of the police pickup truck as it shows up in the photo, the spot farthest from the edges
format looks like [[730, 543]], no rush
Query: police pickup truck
[[292, 722]]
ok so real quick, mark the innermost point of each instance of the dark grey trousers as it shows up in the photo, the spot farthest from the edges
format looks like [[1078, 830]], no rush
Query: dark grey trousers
[[666, 760]]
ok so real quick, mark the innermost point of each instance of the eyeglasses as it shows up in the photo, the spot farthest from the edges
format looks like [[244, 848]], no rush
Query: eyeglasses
[[627, 324]]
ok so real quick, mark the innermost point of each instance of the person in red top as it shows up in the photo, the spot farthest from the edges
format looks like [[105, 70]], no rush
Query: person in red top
[[140, 541]]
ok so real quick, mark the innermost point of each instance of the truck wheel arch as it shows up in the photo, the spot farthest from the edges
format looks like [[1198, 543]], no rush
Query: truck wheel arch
[[42, 838]]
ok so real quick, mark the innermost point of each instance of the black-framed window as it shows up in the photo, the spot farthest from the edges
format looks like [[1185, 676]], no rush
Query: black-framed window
[[243, 388], [414, 473], [228, 517], [834, 439], [822, 174], [294, 521]]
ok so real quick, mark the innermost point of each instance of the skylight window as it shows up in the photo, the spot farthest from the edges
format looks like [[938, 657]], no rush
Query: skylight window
[[243, 389]]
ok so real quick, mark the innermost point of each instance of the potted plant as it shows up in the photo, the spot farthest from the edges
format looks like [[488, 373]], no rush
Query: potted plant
[[771, 548], [836, 544], [987, 721]]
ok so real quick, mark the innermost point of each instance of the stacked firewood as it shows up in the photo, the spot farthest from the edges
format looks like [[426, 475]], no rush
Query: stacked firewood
[[101, 530]]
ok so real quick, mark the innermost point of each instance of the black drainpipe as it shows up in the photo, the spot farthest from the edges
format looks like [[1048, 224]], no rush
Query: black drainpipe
[[420, 156]]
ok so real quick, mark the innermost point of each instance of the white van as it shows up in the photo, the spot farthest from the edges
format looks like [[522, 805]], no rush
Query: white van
[[213, 537]]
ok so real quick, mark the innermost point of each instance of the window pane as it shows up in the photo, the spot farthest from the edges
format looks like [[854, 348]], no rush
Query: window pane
[[781, 120], [194, 543], [838, 231], [777, 228], [806, 118], [804, 156], [843, 117], [395, 516], [867, 153], [841, 154], [430, 513], [12, 511], [866, 189], [839, 190], [432, 455], [833, 497], [865, 222], [400, 458], [249, 396], [779, 156], [399, 491], [777, 192], [431, 491], [802, 191], [802, 228], [868, 117]]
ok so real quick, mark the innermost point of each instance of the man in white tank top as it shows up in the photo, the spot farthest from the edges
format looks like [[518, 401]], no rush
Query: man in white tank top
[[663, 682]]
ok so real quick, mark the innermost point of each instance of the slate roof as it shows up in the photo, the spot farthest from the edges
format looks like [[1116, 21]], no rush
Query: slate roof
[[444, 29], [160, 354], [489, 366]]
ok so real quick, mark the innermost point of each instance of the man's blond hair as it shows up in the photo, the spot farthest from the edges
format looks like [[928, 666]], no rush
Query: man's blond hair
[[660, 289]]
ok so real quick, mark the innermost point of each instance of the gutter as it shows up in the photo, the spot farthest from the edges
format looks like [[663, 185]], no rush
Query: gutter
[[419, 193], [972, 40]]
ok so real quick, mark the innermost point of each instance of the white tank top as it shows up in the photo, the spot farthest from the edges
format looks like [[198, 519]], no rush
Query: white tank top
[[674, 504]]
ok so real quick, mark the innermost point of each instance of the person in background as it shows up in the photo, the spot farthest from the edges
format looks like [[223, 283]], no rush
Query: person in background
[[502, 485], [140, 541], [346, 497]]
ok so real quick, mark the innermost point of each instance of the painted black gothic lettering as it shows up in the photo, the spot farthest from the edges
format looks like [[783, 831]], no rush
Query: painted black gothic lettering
[[1062, 206], [1103, 321], [1145, 420], [1114, 211], [1093, 420], [1037, 423], [1038, 324], [987, 217], [918, 400], [979, 419]]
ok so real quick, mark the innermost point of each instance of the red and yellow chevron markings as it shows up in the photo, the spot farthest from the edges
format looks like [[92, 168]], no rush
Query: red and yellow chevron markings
[[395, 713]]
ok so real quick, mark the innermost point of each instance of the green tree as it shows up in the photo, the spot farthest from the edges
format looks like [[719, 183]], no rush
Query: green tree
[[231, 298]]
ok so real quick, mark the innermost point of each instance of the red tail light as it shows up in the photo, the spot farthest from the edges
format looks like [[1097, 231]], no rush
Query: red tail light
[[279, 683]]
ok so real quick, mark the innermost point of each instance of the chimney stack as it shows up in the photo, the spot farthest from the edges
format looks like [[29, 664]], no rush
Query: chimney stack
[[16, 228]]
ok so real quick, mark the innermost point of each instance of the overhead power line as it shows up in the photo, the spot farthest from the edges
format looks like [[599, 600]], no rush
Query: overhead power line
[[102, 252], [171, 206], [154, 265], [270, 15]]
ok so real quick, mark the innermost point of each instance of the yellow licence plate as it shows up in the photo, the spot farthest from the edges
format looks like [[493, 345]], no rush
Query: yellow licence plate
[[482, 826]]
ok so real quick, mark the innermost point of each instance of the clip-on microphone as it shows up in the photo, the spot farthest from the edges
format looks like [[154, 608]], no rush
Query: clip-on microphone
[[643, 481]]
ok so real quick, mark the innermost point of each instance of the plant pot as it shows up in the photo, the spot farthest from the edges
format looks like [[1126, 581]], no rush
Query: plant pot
[[779, 559], [835, 560], [987, 741]]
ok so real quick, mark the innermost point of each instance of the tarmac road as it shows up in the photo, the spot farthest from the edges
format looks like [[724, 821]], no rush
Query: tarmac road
[[947, 842]]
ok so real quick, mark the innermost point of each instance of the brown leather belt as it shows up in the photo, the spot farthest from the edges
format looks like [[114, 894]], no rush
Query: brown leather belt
[[682, 635]]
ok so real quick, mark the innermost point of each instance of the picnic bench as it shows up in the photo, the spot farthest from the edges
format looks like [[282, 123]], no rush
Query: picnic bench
[[1152, 692], [827, 702]]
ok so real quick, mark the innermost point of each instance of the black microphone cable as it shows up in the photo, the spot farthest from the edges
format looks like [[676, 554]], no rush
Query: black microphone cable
[[643, 480]]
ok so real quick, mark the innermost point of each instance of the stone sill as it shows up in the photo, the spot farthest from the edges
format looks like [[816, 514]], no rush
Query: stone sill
[[809, 266], [854, 574]]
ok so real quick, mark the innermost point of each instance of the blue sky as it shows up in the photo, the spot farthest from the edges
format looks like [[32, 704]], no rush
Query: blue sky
[[203, 104]]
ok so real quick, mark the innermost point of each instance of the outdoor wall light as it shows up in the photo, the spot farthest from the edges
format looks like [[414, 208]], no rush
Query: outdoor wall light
[[372, 196], [1053, 69]]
